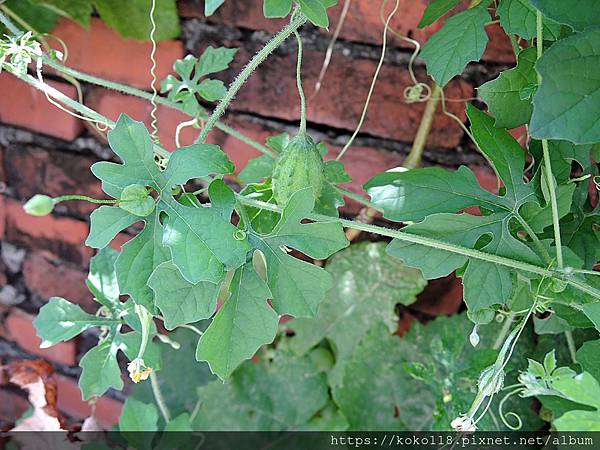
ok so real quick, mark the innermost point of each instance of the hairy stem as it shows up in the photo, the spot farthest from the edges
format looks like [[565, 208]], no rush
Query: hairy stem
[[239, 81], [440, 245], [547, 163], [84, 198]]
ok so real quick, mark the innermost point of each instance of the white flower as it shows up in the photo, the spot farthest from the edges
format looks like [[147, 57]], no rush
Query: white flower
[[138, 370], [463, 423]]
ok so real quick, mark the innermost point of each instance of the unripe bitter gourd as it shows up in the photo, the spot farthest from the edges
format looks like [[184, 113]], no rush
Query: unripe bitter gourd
[[299, 166]]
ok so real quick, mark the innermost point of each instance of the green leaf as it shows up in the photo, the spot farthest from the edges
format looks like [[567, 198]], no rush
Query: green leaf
[[138, 416], [129, 343], [440, 192], [297, 286], [189, 230], [210, 6], [222, 198], [102, 279], [39, 17], [588, 356], [584, 389], [196, 161], [539, 217], [367, 286], [435, 10], [243, 324], [579, 16], [257, 169], [106, 222], [262, 221], [592, 311], [335, 172], [77, 10], [215, 60], [100, 370], [180, 301], [277, 8], [212, 90], [180, 375], [285, 395], [138, 259], [375, 387], [567, 103], [520, 17], [316, 11], [59, 320], [131, 18], [135, 200], [201, 242], [461, 40], [502, 95]]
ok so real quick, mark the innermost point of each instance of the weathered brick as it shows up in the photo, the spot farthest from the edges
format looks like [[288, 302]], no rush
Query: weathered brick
[[32, 170], [363, 23], [12, 406], [112, 104], [48, 276], [271, 92], [102, 52], [442, 296], [62, 236], [19, 328], [24, 106], [2, 217], [107, 410]]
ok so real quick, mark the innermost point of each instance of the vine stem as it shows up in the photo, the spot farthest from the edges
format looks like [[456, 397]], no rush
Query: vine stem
[[373, 82], [85, 198], [299, 85], [547, 162], [158, 397], [571, 346], [243, 76]]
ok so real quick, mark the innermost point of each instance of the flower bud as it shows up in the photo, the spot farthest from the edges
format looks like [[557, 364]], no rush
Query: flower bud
[[39, 205]]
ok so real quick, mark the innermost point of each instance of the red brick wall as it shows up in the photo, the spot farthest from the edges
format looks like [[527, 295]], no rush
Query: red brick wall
[[45, 150]]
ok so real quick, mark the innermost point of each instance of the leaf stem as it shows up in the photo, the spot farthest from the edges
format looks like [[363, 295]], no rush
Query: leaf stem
[[571, 346], [160, 401], [299, 84], [243, 76], [84, 198], [547, 162]]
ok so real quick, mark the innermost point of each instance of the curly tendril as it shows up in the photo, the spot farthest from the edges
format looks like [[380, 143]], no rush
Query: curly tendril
[[504, 416]]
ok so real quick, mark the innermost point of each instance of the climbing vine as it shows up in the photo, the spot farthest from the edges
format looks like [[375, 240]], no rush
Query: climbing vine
[[526, 256]]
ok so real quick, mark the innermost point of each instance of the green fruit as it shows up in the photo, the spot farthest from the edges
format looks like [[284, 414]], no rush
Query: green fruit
[[39, 205], [299, 166]]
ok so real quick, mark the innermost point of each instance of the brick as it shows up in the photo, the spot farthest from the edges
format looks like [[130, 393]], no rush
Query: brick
[[48, 276], [271, 92], [112, 104], [32, 170], [362, 24], [24, 106], [12, 406], [107, 410], [2, 171], [102, 52], [62, 236], [19, 328], [2, 217], [499, 48], [441, 296]]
